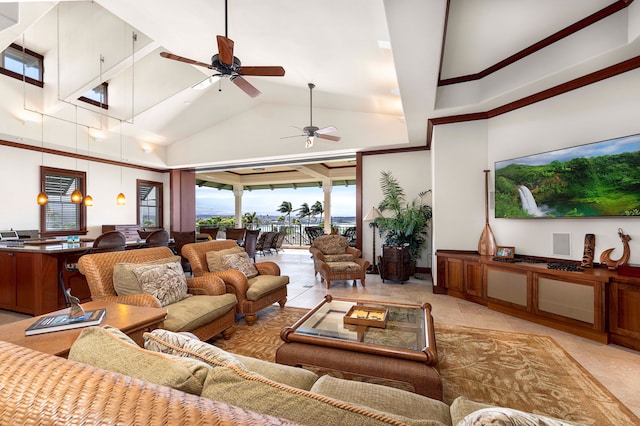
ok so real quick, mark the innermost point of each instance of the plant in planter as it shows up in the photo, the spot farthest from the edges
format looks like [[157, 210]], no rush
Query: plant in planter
[[405, 223]]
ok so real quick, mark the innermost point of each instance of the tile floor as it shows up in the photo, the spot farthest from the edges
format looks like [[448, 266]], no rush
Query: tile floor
[[615, 367]]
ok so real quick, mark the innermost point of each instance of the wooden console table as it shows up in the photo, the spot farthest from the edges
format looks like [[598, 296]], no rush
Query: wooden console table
[[132, 320], [596, 303]]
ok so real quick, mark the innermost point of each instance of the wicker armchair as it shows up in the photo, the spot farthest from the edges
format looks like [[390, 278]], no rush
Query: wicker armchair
[[253, 294], [334, 260], [208, 314]]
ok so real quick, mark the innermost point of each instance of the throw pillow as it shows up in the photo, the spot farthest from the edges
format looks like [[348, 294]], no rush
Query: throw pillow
[[214, 258], [178, 344], [125, 281], [166, 282], [241, 262], [110, 349], [508, 416]]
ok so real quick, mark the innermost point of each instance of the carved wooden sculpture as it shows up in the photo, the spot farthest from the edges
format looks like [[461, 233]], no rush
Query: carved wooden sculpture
[[605, 257], [589, 250]]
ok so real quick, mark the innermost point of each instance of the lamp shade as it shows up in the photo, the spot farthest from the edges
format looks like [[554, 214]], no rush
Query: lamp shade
[[76, 196], [121, 200], [88, 201], [42, 198], [372, 215]]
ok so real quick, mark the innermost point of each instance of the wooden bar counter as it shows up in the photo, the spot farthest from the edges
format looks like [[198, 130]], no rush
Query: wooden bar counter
[[29, 275]]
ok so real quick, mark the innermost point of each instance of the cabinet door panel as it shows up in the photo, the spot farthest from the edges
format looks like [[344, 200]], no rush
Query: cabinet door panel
[[473, 279], [455, 274], [7, 280]]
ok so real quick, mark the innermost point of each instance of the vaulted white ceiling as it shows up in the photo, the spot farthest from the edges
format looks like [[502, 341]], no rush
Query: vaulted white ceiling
[[376, 97]]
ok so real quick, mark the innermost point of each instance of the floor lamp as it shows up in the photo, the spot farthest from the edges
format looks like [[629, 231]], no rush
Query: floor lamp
[[370, 217]]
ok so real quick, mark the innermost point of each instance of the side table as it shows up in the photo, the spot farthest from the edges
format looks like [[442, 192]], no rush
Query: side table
[[132, 320]]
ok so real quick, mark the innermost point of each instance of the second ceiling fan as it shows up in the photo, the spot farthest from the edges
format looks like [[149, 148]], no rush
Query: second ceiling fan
[[311, 131], [229, 66]]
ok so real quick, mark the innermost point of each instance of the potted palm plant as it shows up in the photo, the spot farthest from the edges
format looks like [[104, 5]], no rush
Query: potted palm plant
[[403, 224]]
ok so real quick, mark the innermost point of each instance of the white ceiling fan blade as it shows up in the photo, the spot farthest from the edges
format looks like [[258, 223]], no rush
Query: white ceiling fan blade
[[294, 136], [327, 129]]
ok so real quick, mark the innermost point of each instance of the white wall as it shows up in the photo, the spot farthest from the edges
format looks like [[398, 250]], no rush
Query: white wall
[[20, 174], [604, 110], [413, 172]]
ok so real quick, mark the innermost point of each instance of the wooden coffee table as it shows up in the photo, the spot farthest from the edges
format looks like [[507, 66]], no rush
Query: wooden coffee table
[[132, 320], [403, 351]]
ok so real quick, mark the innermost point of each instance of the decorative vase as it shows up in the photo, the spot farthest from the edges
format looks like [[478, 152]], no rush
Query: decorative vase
[[487, 245]]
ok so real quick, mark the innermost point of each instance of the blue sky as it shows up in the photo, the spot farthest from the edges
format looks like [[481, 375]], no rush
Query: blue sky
[[216, 202], [613, 146]]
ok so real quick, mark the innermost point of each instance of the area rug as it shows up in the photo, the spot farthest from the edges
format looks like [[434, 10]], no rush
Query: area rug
[[523, 371]]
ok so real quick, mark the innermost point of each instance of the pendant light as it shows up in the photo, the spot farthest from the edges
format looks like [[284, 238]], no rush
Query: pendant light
[[76, 195], [42, 198], [88, 200], [121, 200]]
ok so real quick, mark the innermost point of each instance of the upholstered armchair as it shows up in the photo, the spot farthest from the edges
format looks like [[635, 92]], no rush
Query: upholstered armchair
[[206, 311], [212, 258], [334, 259]]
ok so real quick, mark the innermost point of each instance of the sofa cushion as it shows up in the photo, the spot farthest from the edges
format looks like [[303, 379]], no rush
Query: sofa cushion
[[256, 393], [214, 258], [287, 375], [344, 257], [263, 284], [183, 344], [383, 398], [166, 281], [125, 281], [343, 266], [241, 262], [331, 244], [196, 311], [110, 349]]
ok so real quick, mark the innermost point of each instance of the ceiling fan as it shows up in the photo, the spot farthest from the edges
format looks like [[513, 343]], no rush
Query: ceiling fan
[[229, 66], [311, 131]]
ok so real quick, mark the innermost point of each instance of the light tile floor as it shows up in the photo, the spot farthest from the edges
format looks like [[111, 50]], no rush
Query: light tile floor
[[616, 367]]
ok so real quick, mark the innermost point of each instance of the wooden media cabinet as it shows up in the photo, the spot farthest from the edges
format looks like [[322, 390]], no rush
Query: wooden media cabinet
[[595, 303]]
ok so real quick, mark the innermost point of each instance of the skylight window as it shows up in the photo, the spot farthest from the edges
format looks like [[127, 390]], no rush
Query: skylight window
[[98, 96], [22, 64]]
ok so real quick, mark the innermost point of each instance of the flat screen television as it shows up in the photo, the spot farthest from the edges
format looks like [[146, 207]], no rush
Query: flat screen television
[[592, 180]]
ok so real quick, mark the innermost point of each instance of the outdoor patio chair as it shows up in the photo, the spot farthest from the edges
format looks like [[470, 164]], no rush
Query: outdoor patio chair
[[250, 243], [213, 232], [313, 232], [279, 240], [254, 293], [266, 243], [236, 234]]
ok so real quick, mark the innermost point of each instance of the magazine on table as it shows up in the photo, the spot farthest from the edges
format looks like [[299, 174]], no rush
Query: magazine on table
[[49, 323]]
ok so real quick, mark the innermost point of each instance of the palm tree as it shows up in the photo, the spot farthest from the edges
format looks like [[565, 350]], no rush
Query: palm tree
[[304, 211], [250, 219], [286, 208], [317, 208]]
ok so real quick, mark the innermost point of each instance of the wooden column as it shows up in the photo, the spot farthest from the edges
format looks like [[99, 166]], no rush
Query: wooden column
[[183, 200]]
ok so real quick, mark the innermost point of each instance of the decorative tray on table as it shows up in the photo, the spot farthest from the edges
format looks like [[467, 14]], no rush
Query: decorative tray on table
[[367, 315]]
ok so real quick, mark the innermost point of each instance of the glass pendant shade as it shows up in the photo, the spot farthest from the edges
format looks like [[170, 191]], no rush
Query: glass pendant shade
[[88, 201], [76, 196], [42, 198], [121, 199]]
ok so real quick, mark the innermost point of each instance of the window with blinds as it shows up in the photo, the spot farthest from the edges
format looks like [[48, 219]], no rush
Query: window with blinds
[[149, 204], [60, 216]]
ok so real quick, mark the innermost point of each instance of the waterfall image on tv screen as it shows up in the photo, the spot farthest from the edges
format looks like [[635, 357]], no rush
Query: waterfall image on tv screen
[[597, 179]]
